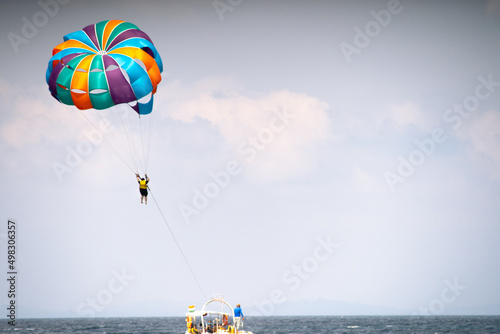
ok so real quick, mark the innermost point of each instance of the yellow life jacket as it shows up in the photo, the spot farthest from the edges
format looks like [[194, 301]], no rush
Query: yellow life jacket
[[142, 184]]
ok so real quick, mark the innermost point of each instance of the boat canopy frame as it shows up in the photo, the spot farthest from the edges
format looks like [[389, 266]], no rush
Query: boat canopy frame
[[204, 312]]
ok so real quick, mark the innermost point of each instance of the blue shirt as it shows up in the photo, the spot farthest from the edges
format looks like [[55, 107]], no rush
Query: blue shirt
[[238, 312]]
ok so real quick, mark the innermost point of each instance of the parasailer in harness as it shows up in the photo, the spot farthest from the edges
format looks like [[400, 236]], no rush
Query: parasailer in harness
[[143, 187]]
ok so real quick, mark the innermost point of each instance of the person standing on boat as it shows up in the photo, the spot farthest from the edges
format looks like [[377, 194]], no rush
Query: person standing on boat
[[238, 317]]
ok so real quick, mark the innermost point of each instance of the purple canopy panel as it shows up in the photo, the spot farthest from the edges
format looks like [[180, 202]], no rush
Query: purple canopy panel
[[90, 31], [53, 79], [128, 34], [119, 87]]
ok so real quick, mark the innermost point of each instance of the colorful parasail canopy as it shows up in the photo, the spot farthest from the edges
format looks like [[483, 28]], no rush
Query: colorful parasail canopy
[[105, 64]]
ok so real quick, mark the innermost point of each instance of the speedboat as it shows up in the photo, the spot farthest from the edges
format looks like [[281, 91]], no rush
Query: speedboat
[[212, 320]]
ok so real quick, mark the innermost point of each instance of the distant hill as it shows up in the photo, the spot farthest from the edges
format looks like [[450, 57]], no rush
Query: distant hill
[[329, 307], [296, 308]]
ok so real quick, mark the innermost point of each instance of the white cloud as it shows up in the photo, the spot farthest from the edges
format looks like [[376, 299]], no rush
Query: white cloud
[[33, 126], [406, 114], [274, 135], [483, 131], [367, 183], [30, 115], [39, 130], [393, 118]]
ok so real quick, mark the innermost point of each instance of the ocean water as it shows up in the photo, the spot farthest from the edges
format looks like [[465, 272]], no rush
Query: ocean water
[[266, 325]]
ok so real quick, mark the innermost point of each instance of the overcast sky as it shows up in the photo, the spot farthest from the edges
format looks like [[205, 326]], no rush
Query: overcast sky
[[300, 151]]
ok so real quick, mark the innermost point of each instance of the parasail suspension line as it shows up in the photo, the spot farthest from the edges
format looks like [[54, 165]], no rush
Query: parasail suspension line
[[178, 245], [86, 122]]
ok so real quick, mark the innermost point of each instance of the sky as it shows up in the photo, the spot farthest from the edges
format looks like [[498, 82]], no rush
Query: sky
[[305, 157]]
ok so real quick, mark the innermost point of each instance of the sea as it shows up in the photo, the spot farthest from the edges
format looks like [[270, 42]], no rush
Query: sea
[[266, 325]]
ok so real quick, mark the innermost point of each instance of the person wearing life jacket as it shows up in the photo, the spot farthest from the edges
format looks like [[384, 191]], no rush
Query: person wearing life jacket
[[143, 187]]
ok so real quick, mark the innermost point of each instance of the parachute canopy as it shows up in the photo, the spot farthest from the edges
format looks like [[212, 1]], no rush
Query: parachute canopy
[[103, 65]]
